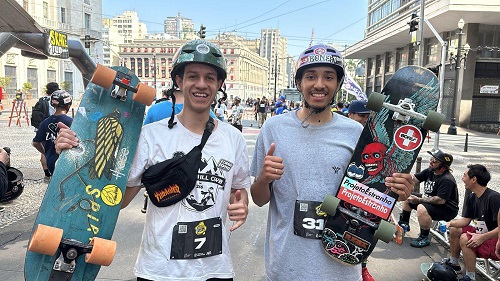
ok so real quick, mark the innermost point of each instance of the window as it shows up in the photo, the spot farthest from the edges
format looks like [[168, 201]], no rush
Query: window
[[51, 76], [389, 62], [401, 58], [68, 77], [86, 23], [10, 71], [32, 77], [63, 15]]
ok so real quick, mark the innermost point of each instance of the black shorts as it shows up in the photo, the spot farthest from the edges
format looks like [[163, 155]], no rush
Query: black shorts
[[442, 212]]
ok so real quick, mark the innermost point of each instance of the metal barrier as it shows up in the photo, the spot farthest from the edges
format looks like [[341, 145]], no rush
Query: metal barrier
[[487, 268]]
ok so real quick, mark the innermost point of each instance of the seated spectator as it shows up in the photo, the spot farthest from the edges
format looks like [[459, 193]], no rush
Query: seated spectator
[[476, 233], [439, 201]]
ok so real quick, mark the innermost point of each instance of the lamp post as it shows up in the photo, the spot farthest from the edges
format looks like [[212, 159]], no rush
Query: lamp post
[[457, 59], [275, 76]]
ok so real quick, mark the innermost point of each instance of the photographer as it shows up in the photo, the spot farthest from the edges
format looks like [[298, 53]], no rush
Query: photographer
[[4, 180]]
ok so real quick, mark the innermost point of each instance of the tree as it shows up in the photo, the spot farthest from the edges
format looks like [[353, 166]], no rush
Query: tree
[[65, 85], [27, 88], [5, 81]]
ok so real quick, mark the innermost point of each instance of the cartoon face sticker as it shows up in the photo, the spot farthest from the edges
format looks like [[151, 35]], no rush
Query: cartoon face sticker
[[373, 156]]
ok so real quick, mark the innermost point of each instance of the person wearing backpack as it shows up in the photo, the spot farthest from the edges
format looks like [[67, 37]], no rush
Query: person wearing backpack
[[40, 111], [47, 131]]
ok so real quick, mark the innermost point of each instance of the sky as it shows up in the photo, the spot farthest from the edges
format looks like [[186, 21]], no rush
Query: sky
[[339, 22]]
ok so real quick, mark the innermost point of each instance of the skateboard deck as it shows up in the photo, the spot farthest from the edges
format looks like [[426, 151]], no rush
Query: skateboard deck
[[357, 216], [439, 272], [78, 214], [424, 267]]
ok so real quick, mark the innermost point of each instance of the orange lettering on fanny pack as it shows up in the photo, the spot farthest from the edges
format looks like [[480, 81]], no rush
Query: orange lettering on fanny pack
[[169, 190]]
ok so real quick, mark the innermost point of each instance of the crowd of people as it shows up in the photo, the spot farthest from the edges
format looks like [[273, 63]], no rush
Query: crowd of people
[[285, 173]]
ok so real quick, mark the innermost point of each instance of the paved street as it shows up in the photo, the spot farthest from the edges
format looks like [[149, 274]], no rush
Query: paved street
[[388, 262]]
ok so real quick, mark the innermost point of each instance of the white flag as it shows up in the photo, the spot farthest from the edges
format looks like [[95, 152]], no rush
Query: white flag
[[353, 88]]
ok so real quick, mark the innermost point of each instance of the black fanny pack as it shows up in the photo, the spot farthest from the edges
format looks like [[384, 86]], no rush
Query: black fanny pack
[[170, 181]]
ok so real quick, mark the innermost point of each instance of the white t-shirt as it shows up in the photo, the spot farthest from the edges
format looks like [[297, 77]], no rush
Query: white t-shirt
[[224, 166]]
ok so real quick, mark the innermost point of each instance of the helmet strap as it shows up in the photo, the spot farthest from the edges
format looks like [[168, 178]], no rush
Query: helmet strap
[[170, 93]]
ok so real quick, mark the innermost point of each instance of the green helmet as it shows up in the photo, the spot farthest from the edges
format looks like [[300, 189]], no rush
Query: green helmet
[[199, 51]]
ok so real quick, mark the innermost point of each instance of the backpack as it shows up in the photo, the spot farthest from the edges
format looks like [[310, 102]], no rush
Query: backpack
[[40, 111]]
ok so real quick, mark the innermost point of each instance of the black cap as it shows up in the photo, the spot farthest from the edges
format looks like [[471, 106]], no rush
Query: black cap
[[445, 158]]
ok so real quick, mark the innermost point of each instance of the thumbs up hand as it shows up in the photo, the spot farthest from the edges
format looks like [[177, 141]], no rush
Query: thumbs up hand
[[273, 166], [238, 207]]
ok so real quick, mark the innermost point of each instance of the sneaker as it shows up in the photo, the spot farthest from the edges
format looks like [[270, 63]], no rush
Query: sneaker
[[421, 242], [455, 267], [46, 179], [366, 275], [2, 208], [465, 278], [405, 225]]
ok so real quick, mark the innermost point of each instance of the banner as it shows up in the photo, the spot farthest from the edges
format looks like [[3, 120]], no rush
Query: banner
[[353, 88]]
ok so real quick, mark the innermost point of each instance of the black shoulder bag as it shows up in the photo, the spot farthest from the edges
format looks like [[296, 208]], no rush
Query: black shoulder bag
[[170, 181]]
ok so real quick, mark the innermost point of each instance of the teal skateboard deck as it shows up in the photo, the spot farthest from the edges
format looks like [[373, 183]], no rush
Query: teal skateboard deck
[[358, 214], [424, 267], [80, 208]]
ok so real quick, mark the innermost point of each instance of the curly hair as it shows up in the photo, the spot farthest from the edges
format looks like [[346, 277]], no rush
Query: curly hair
[[51, 87]]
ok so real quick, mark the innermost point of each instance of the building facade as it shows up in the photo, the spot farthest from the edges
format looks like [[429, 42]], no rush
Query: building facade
[[273, 47], [151, 60], [179, 27], [387, 47], [76, 19]]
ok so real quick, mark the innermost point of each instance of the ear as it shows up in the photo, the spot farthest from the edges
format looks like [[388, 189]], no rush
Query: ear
[[178, 80], [299, 86]]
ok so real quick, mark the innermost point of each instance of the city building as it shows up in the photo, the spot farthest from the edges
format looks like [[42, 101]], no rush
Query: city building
[[273, 47], [180, 27], [472, 78], [247, 71], [74, 18]]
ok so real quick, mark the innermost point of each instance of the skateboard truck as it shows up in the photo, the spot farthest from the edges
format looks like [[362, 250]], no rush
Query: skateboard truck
[[408, 106], [70, 251], [122, 82]]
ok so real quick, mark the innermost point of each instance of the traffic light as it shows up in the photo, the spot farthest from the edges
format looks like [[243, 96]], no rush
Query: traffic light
[[202, 31], [87, 41], [413, 23]]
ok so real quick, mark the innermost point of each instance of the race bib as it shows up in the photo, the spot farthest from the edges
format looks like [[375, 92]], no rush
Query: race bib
[[480, 226], [198, 239], [309, 220]]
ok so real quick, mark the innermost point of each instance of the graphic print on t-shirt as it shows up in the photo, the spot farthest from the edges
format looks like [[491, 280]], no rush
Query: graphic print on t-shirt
[[211, 180]]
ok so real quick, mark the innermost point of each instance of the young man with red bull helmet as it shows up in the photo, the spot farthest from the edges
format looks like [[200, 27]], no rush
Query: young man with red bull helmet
[[294, 168], [199, 70]]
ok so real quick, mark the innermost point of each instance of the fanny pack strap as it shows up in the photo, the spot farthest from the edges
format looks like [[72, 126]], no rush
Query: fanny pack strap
[[208, 131]]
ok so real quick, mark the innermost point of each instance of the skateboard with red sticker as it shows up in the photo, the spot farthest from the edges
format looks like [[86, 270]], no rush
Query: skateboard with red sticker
[[358, 215], [71, 234]]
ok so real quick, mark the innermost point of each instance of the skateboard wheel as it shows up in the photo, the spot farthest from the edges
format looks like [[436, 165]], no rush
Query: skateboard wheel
[[433, 121], [145, 94], [45, 240], [385, 231], [330, 204], [103, 76], [375, 101], [103, 251]]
